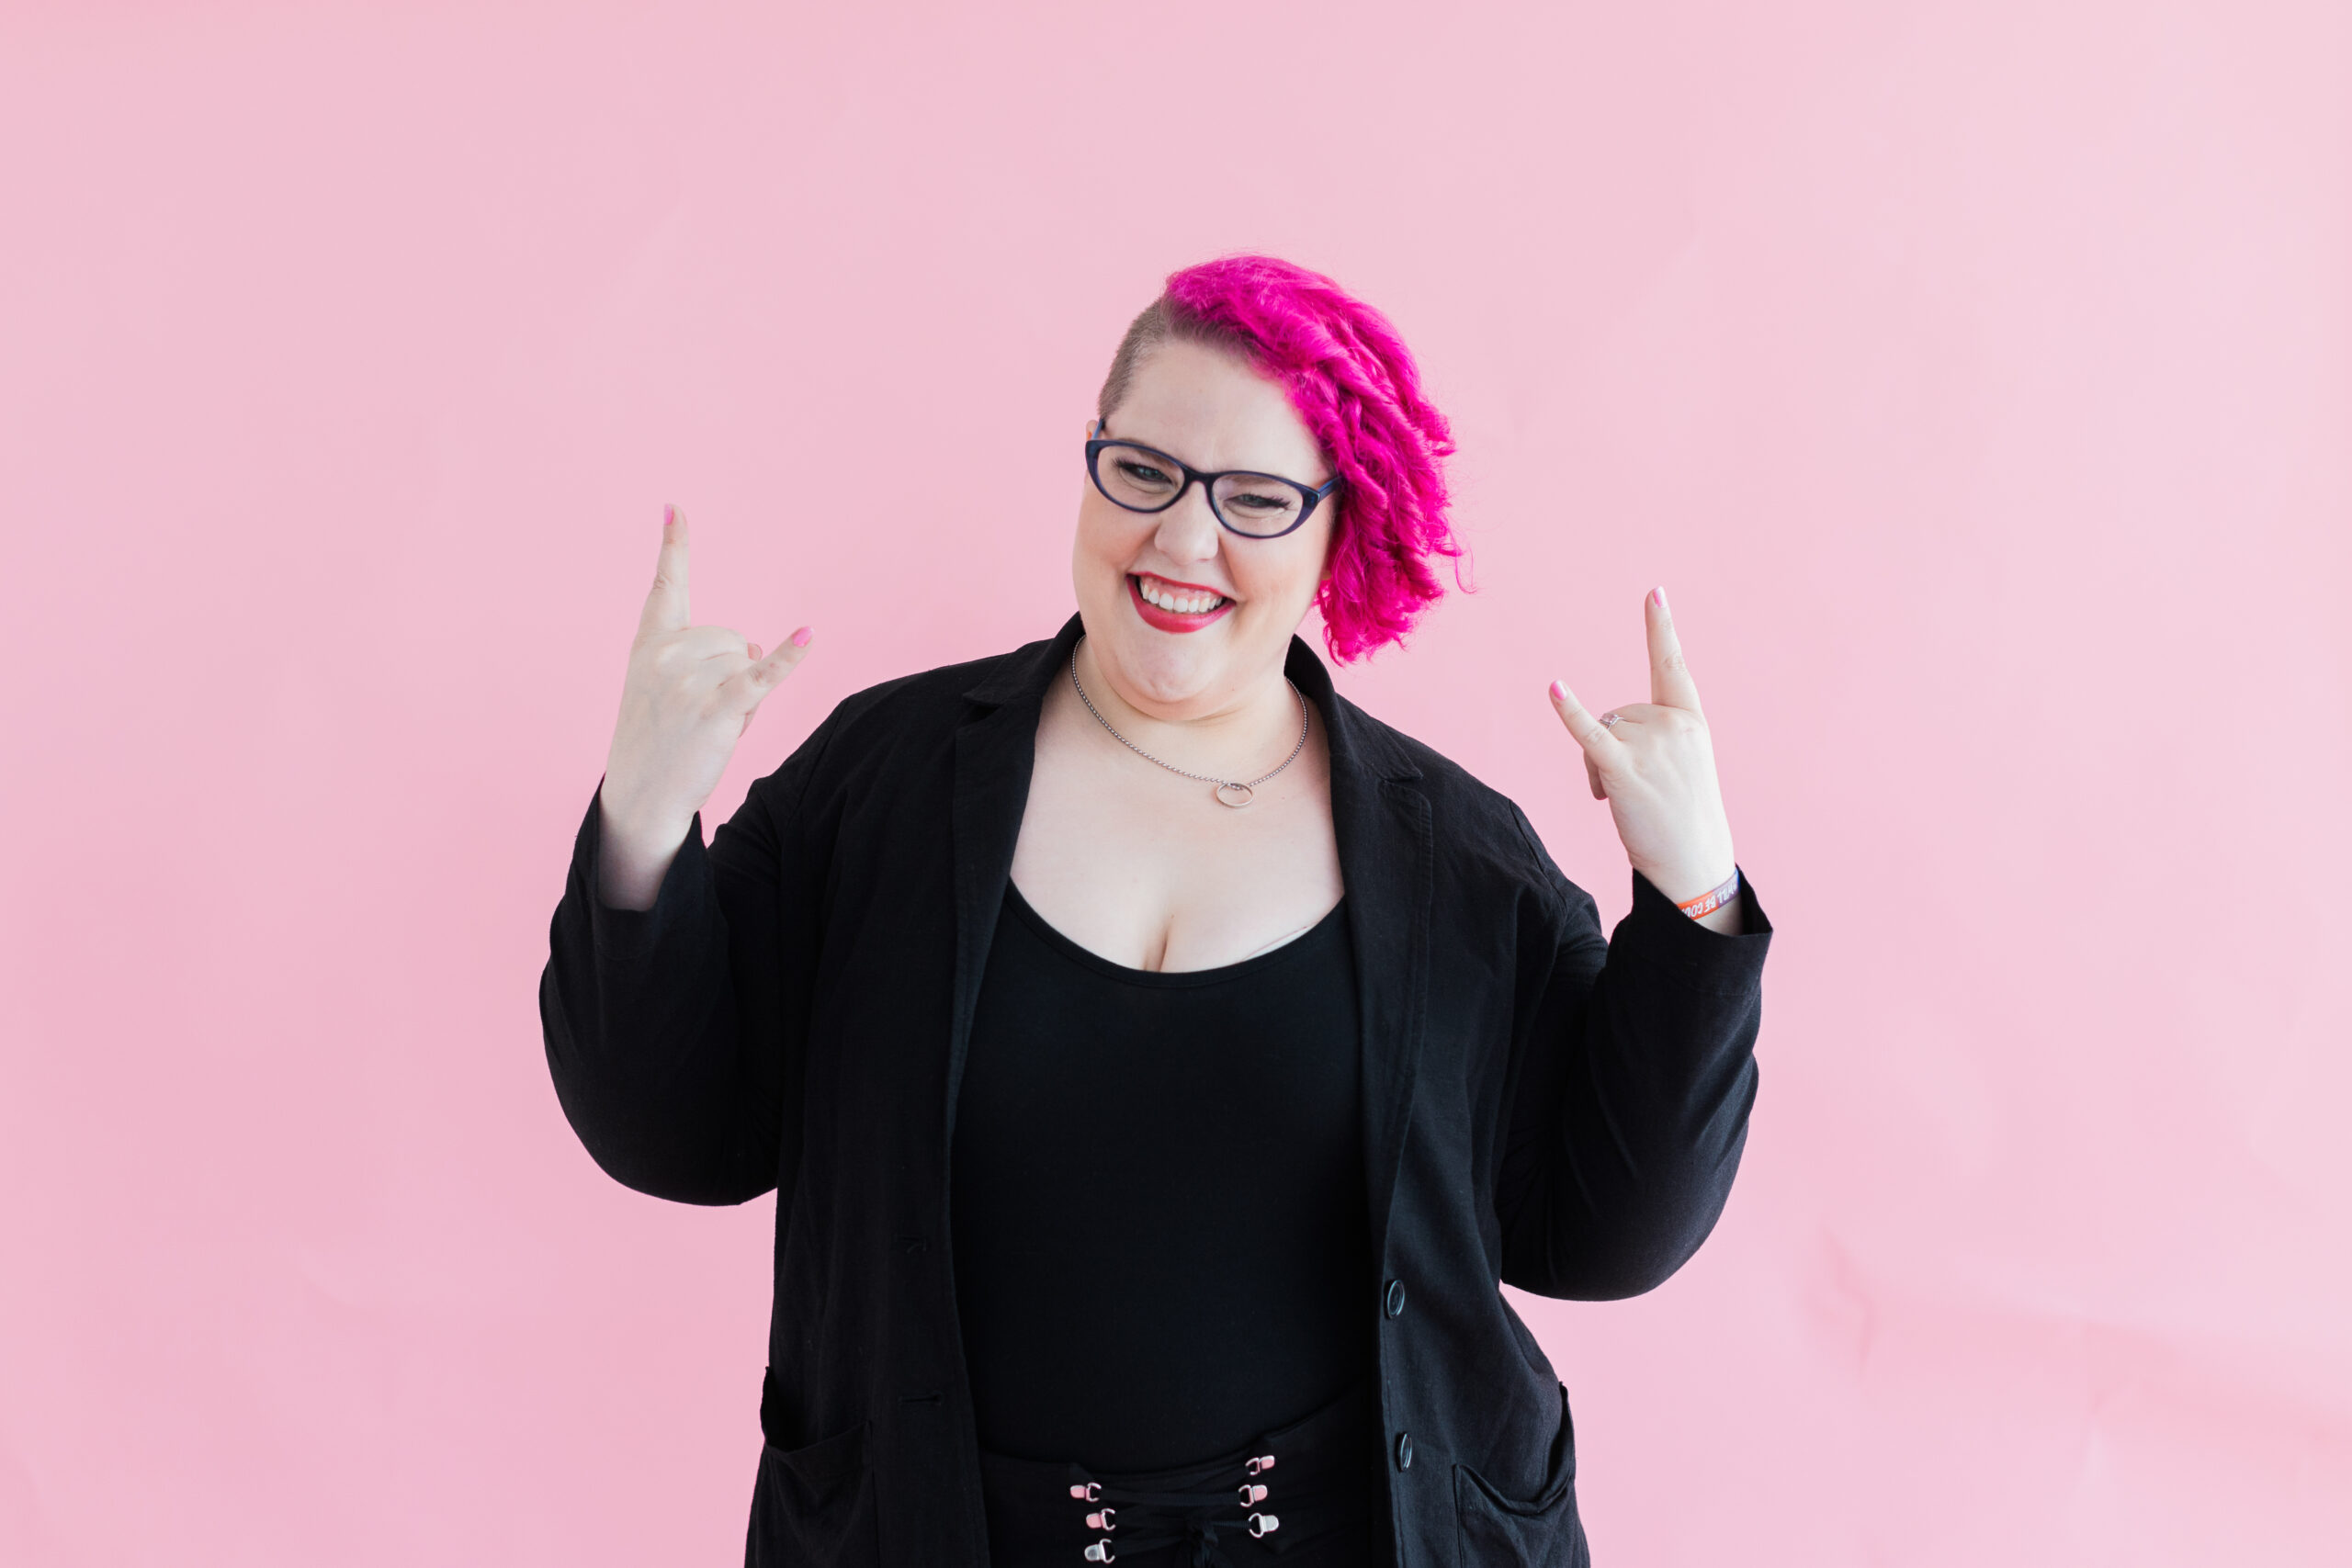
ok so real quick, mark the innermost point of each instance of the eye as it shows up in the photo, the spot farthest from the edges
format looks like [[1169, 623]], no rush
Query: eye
[[1261, 501], [1141, 472]]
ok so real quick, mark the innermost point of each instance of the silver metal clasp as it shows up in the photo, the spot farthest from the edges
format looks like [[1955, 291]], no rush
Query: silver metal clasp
[[1090, 1491], [1262, 1463], [1102, 1521], [1252, 1494], [1264, 1524], [1101, 1551]]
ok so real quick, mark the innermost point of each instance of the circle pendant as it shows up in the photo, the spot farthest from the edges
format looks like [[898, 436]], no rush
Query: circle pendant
[[1236, 795]]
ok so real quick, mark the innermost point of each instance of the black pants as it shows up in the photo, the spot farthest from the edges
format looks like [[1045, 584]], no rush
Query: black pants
[[1321, 1495]]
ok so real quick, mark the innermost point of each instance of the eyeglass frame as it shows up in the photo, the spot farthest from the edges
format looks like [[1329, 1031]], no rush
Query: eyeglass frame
[[1206, 481]]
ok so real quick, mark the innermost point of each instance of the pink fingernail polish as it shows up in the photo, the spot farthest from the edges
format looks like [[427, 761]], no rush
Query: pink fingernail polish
[[1559, 693], [801, 638], [669, 514], [1658, 593]]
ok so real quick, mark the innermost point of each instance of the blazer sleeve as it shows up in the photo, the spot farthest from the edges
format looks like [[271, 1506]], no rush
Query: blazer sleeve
[[1629, 1102], [674, 1034]]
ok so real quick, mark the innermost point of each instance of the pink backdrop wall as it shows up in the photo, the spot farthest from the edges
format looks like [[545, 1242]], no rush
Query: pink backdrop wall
[[1976, 376]]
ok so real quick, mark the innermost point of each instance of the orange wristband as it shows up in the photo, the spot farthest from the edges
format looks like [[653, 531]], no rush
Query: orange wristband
[[1713, 899]]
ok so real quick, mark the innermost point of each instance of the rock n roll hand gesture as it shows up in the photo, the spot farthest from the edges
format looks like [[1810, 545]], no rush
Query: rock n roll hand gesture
[[1655, 763], [689, 695]]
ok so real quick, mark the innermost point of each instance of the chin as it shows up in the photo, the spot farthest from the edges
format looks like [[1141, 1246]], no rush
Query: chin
[[1167, 669], [1164, 668]]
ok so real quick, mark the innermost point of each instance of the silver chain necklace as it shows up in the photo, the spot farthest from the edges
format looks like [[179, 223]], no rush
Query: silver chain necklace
[[1240, 794]]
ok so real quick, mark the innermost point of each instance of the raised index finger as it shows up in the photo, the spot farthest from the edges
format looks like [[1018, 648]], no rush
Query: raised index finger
[[665, 602], [1671, 682]]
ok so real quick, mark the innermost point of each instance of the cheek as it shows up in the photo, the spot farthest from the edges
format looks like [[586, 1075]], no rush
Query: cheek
[[1107, 540], [1099, 536], [1281, 580]]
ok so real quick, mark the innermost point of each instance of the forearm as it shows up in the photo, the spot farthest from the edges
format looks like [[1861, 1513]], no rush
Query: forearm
[[1632, 1111], [646, 1034], [1642, 1151]]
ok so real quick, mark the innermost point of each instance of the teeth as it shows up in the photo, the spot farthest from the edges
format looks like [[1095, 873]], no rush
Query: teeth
[[1187, 601]]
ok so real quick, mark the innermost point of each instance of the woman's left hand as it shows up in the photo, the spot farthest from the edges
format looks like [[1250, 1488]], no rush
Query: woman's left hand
[[1654, 764]]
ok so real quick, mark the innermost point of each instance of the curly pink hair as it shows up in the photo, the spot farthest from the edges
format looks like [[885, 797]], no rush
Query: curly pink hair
[[1356, 388]]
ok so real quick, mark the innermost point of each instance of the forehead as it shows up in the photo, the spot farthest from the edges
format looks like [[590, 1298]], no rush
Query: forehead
[[1213, 410]]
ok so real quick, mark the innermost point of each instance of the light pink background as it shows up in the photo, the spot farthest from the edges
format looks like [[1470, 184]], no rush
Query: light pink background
[[1975, 375]]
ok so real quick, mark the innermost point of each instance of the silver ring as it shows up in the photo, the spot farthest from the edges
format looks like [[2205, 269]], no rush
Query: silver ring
[[1609, 720]]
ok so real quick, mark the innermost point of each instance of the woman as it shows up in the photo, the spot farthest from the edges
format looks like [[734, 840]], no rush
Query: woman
[[1157, 1060]]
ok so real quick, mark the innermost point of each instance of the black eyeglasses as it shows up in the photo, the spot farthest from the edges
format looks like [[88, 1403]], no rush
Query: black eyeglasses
[[1143, 479]]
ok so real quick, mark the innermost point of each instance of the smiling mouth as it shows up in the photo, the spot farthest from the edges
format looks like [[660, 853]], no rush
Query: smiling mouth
[[1175, 600]]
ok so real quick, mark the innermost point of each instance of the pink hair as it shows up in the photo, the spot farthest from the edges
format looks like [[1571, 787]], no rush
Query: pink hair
[[1355, 387]]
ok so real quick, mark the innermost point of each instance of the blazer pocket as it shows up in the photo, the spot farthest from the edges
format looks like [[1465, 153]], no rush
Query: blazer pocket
[[814, 1506], [1542, 1531]]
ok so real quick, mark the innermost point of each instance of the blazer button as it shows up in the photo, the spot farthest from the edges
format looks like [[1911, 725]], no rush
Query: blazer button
[[1404, 1450], [1394, 1300]]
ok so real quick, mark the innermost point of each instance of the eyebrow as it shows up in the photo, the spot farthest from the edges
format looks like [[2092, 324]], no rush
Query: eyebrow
[[1270, 473]]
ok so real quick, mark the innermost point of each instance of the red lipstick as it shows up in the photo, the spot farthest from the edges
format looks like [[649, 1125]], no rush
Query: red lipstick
[[1171, 620]]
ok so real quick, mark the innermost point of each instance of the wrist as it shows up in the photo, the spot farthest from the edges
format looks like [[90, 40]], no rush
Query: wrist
[[624, 827], [1721, 897], [1683, 880]]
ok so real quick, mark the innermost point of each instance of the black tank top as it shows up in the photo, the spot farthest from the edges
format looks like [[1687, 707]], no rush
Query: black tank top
[[1161, 1246]]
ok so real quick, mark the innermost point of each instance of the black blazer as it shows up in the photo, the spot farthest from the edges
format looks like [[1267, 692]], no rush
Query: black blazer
[[1539, 1107]]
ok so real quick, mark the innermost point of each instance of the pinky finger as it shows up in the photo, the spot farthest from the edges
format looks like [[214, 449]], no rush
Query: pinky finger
[[1592, 777], [750, 685], [1589, 731]]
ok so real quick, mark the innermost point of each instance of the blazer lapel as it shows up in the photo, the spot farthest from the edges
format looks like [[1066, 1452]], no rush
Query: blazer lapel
[[996, 751], [1382, 820]]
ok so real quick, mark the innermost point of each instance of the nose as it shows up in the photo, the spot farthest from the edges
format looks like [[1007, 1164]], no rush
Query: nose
[[1188, 530]]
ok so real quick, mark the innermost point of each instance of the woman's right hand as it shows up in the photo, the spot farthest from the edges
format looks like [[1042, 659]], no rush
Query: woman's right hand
[[689, 695]]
